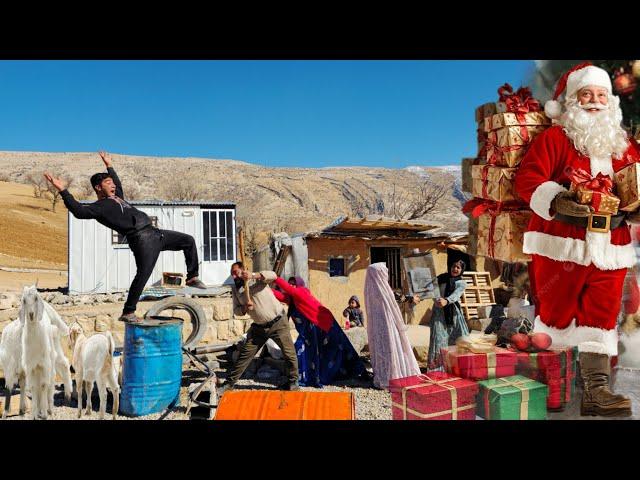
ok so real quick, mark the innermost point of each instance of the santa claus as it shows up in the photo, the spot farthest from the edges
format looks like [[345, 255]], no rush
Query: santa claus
[[579, 256]]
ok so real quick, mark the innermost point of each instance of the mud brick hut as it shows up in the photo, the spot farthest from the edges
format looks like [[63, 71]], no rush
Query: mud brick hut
[[333, 261]]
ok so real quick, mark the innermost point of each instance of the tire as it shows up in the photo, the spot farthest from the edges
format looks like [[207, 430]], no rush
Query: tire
[[195, 310]]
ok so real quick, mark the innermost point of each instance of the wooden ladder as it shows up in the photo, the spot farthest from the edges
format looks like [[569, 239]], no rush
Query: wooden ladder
[[281, 259], [478, 292]]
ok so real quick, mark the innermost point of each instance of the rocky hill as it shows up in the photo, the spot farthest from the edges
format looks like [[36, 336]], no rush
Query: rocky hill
[[268, 199]]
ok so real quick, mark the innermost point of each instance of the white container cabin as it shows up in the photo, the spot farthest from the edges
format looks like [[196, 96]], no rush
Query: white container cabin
[[100, 260]]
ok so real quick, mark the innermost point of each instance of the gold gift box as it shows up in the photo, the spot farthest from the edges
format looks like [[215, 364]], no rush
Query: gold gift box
[[501, 120], [514, 143], [508, 236], [499, 184], [467, 179], [627, 183], [485, 110], [608, 203]]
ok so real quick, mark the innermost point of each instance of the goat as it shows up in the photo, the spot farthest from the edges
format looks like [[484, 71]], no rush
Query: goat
[[93, 361], [11, 362], [38, 352]]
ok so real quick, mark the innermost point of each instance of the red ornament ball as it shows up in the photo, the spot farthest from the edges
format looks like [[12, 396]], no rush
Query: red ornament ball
[[520, 341], [624, 84], [540, 341]]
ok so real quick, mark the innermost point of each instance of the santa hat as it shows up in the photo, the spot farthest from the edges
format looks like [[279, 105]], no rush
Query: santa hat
[[578, 77]]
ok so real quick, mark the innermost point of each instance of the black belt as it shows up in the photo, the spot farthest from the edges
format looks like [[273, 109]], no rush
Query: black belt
[[269, 324], [595, 222]]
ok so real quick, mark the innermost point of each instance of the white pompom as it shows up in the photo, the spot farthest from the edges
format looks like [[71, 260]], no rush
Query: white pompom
[[553, 109]]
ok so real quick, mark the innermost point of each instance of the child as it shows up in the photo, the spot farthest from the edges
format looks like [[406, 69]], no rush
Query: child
[[353, 313]]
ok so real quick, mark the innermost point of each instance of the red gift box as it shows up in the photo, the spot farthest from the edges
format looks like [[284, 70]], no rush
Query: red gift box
[[435, 396], [554, 368], [479, 366]]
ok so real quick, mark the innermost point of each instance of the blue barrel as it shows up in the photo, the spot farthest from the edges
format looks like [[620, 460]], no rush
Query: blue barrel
[[152, 368]]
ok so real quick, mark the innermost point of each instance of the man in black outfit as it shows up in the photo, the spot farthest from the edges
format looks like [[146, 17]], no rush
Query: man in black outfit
[[146, 242]]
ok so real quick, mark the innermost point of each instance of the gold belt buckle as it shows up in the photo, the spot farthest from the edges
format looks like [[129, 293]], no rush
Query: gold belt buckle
[[599, 222]]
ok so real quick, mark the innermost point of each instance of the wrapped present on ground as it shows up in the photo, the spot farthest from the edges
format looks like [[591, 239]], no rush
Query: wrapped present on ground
[[627, 183], [435, 396], [485, 110], [493, 183], [467, 165], [595, 191], [512, 398], [555, 368], [479, 366]]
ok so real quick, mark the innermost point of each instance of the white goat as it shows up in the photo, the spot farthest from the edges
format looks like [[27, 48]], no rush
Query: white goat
[[11, 350], [93, 361], [11, 362], [38, 352]]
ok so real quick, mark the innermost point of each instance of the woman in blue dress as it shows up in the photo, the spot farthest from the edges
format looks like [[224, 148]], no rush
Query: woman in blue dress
[[324, 352], [447, 320]]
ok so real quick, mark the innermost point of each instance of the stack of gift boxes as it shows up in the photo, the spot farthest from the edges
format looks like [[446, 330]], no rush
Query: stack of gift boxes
[[498, 218], [498, 384]]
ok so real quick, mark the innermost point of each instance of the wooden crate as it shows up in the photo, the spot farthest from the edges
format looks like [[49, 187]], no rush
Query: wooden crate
[[478, 292]]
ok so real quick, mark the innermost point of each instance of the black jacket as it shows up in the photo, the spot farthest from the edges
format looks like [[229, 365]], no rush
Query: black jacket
[[123, 219]]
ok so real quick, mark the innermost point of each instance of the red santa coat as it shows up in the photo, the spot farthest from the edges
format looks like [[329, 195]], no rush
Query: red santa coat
[[578, 311], [541, 177]]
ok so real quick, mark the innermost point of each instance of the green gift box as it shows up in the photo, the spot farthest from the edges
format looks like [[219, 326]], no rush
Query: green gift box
[[512, 398]]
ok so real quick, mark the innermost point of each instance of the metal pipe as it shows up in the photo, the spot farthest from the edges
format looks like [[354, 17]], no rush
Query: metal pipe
[[210, 348]]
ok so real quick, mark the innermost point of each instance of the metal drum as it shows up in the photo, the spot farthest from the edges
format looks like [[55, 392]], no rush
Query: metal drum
[[152, 366]]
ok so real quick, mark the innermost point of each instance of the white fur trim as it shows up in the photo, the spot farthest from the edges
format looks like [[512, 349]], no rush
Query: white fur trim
[[596, 249], [594, 347], [553, 109], [542, 197], [586, 76], [601, 165], [587, 339]]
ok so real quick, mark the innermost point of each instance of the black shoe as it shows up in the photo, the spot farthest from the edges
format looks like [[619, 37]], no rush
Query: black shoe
[[197, 284]]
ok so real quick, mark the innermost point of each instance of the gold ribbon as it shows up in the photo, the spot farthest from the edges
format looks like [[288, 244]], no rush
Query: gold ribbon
[[430, 381], [524, 393], [491, 364]]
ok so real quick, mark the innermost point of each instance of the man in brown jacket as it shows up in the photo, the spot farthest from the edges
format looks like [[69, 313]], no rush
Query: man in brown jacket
[[269, 321]]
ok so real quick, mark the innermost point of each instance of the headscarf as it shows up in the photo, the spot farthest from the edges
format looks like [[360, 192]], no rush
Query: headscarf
[[355, 299], [449, 282]]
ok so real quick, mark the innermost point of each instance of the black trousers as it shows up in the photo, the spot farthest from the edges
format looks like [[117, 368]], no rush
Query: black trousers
[[146, 247]]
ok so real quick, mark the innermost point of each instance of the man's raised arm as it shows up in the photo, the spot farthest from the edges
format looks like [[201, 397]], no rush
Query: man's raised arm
[[76, 208], [106, 158]]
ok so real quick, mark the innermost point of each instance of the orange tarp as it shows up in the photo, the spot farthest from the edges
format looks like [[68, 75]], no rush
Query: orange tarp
[[284, 405]]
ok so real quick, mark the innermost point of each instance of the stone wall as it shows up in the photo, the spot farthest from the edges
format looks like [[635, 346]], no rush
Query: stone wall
[[222, 325]]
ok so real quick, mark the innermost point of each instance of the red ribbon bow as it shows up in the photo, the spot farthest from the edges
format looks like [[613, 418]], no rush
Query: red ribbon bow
[[600, 183], [519, 102]]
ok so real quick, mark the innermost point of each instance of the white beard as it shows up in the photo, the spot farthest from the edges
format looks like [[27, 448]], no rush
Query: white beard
[[596, 135]]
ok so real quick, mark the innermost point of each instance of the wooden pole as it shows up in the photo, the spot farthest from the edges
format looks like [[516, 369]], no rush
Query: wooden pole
[[247, 293]]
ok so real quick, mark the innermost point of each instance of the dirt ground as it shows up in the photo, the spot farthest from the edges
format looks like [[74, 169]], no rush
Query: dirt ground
[[31, 235]]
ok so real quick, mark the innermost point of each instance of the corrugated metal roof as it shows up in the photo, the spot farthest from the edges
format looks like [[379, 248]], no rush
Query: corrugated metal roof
[[175, 203]]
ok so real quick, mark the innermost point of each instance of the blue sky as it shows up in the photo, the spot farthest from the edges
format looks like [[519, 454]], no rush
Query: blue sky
[[273, 113]]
